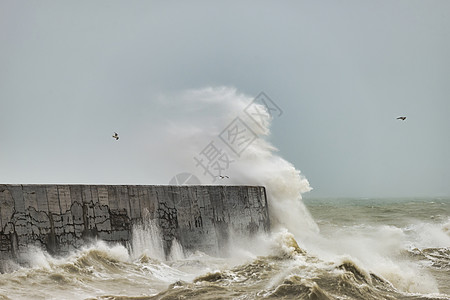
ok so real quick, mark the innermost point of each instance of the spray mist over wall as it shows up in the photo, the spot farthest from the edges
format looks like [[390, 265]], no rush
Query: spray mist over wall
[[204, 120]]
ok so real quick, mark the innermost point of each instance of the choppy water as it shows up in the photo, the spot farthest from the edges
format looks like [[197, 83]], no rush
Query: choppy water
[[366, 249]]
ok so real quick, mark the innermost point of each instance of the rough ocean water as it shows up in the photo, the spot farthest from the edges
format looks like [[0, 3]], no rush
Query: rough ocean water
[[366, 249], [317, 249]]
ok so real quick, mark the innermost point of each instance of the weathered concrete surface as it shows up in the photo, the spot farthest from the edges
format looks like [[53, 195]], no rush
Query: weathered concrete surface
[[60, 218]]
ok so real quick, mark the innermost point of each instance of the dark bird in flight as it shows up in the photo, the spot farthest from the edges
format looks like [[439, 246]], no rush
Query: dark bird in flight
[[223, 176], [401, 118], [116, 136]]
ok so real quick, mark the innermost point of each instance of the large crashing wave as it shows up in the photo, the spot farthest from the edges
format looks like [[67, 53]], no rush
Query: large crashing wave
[[360, 262], [202, 116]]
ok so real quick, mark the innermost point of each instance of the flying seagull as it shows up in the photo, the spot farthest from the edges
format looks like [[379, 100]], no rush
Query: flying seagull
[[223, 176], [116, 136], [401, 118]]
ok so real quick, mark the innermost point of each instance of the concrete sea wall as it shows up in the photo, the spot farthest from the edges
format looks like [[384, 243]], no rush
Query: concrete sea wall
[[61, 218]]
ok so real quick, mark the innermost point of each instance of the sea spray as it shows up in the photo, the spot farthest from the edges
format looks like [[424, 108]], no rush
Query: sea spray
[[176, 251], [209, 112], [204, 116], [147, 240], [347, 261]]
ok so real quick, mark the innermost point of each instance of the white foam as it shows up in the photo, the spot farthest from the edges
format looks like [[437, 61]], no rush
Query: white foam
[[176, 251], [37, 258], [430, 235], [201, 115], [147, 240]]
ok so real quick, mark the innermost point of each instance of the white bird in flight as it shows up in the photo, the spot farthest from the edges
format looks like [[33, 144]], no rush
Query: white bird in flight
[[116, 136]]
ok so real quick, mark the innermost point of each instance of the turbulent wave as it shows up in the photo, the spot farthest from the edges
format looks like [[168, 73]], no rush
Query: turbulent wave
[[288, 272], [95, 270], [363, 250], [260, 164], [285, 271]]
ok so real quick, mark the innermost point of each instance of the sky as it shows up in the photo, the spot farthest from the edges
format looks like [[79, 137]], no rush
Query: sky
[[74, 72]]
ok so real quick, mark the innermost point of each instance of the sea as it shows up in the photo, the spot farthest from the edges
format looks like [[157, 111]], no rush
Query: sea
[[333, 248], [362, 248]]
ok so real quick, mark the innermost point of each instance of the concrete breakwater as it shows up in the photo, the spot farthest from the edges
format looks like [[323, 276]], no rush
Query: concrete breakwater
[[61, 218]]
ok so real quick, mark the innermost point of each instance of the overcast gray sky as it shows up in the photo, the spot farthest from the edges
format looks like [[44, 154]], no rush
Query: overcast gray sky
[[73, 72]]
